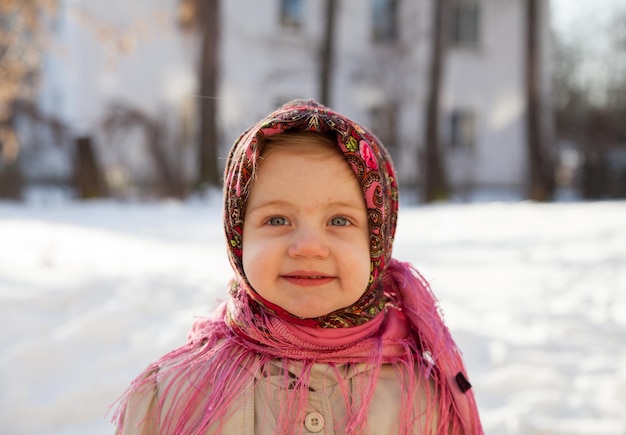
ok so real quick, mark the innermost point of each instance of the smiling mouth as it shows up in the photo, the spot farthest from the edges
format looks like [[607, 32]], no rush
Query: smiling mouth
[[307, 279]]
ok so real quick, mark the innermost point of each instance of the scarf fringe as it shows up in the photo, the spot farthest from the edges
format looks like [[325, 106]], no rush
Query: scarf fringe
[[442, 358], [198, 384]]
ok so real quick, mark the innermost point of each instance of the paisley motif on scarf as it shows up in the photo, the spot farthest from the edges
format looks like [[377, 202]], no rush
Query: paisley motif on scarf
[[372, 168]]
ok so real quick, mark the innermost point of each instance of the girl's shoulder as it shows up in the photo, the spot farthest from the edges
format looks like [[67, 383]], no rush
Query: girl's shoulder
[[203, 362], [170, 396]]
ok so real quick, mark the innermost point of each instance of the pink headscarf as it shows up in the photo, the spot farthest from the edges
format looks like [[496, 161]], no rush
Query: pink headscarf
[[396, 321], [374, 171]]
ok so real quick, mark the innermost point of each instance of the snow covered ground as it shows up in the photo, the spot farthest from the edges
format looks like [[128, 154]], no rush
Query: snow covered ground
[[534, 294]]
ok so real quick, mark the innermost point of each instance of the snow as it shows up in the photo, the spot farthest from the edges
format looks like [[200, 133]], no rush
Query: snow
[[535, 295]]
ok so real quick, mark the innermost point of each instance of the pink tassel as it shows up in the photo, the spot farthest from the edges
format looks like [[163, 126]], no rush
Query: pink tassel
[[196, 392]]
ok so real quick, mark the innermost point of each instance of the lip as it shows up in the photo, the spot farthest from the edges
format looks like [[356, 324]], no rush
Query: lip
[[307, 278]]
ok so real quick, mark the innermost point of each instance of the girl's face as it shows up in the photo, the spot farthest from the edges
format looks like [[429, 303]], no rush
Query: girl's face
[[306, 234]]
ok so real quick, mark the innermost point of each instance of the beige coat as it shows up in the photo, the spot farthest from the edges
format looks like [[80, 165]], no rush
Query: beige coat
[[256, 409]]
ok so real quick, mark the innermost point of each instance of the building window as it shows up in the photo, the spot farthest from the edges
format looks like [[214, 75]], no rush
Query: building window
[[465, 24], [291, 13], [384, 20], [462, 130]]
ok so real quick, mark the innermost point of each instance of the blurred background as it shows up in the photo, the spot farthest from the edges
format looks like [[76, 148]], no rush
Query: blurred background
[[141, 99], [506, 120]]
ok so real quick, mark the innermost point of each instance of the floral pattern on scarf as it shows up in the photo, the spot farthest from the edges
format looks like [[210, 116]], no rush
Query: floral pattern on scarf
[[374, 171]]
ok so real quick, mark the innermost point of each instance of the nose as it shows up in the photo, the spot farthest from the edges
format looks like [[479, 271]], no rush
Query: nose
[[308, 242]]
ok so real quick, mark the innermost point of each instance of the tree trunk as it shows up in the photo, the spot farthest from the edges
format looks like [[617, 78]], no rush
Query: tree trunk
[[327, 52], [540, 166], [209, 80], [435, 185], [11, 181], [169, 175], [88, 179]]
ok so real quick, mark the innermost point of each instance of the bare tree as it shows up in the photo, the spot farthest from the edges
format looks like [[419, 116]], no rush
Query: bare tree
[[88, 180], [435, 184], [327, 52], [541, 183], [123, 118], [203, 17], [589, 110], [22, 36]]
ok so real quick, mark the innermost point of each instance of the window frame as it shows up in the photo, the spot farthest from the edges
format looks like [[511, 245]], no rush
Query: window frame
[[384, 20], [291, 14], [465, 24], [462, 130]]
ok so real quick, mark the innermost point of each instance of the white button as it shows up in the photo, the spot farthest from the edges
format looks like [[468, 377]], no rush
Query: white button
[[314, 422]]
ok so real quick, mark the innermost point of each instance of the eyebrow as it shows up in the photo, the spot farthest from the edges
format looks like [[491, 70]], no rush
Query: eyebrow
[[271, 203], [284, 204]]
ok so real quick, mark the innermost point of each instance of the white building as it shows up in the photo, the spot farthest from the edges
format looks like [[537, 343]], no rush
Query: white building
[[135, 53]]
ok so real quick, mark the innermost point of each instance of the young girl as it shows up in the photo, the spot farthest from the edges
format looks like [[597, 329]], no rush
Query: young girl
[[324, 331]]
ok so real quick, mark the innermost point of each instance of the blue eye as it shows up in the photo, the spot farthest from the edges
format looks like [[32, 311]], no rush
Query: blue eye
[[277, 221], [339, 221]]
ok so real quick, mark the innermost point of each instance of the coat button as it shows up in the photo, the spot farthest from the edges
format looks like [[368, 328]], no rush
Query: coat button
[[314, 422]]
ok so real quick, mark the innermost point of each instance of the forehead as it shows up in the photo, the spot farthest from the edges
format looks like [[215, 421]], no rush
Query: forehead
[[305, 181], [316, 146], [306, 168]]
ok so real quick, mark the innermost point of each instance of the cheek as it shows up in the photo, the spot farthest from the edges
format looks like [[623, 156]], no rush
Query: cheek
[[257, 259], [247, 256], [366, 270], [248, 253], [252, 274], [361, 266]]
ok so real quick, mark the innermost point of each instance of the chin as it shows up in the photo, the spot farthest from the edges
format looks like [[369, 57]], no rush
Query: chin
[[310, 314]]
